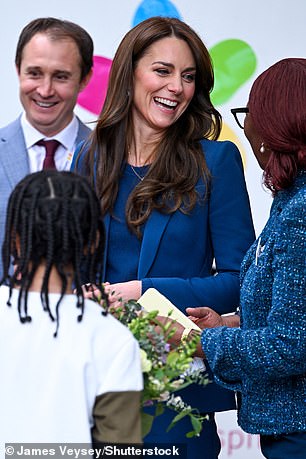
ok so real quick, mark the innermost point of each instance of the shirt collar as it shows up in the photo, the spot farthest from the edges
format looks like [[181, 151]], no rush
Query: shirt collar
[[67, 137]]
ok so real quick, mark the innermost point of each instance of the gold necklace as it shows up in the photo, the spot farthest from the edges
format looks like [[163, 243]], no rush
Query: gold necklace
[[136, 173]]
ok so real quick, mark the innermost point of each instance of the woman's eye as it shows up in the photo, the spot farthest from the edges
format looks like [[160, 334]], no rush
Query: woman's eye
[[162, 71], [190, 77]]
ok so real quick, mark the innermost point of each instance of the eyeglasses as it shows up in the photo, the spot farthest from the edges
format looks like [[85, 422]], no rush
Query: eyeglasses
[[239, 115]]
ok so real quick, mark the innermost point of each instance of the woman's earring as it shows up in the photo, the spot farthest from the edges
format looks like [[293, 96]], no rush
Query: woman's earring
[[262, 148]]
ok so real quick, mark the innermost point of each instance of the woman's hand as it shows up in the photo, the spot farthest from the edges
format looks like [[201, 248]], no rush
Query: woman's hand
[[179, 334], [173, 326], [206, 317], [90, 291], [117, 293], [122, 292]]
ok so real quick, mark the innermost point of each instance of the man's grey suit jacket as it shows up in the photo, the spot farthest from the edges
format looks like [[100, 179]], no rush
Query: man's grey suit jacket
[[14, 165]]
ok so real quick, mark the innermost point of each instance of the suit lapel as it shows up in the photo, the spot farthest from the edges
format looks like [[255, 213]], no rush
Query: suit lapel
[[152, 235], [153, 232], [83, 132], [13, 153]]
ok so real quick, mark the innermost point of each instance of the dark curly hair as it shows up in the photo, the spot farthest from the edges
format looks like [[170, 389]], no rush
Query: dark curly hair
[[53, 218]]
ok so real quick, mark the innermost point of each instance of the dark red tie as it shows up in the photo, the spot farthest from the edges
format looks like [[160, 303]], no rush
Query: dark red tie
[[50, 146]]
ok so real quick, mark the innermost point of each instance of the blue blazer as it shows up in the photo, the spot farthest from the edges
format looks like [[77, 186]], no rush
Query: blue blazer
[[178, 250], [14, 164]]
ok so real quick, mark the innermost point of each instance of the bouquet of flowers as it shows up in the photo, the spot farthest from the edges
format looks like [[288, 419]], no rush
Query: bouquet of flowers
[[166, 368]]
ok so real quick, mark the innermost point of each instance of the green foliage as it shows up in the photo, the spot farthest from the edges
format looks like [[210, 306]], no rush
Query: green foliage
[[165, 367]]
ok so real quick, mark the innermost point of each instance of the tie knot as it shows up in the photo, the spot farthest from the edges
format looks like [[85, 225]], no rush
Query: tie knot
[[50, 146]]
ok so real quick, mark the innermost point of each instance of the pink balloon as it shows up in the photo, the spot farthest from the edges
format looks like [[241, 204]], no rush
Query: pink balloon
[[93, 96]]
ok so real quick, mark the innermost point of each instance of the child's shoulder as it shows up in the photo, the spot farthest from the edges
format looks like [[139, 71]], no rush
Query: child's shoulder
[[93, 312]]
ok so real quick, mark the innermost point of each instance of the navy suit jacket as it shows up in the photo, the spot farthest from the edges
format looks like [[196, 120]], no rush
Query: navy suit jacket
[[14, 164], [178, 250]]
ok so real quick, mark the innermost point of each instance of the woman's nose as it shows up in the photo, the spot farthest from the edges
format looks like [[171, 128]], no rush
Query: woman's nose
[[175, 84]]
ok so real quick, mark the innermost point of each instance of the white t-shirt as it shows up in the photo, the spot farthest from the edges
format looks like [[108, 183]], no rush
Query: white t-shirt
[[49, 385]]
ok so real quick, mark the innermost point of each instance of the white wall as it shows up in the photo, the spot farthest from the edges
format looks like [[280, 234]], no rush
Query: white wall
[[274, 29]]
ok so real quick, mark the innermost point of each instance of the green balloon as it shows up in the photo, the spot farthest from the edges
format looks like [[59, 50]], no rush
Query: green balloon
[[234, 63]]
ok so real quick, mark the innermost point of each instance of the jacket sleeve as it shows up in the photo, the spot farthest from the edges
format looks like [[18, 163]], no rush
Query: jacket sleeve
[[277, 349], [231, 233]]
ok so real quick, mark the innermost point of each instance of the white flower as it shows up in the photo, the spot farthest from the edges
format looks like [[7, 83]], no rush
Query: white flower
[[177, 403], [158, 385], [164, 396], [177, 384], [146, 364]]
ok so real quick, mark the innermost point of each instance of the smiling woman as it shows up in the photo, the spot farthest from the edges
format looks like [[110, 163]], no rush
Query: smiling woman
[[174, 203], [163, 88]]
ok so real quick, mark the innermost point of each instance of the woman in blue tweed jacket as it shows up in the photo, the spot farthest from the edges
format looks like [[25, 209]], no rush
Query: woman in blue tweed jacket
[[265, 359]]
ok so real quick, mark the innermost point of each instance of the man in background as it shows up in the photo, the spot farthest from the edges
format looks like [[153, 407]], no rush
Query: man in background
[[54, 60]]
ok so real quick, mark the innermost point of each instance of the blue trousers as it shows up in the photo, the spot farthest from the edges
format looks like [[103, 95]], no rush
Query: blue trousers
[[284, 446], [206, 446]]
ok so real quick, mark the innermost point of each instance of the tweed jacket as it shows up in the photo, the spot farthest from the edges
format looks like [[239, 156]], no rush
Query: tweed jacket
[[14, 164], [265, 360]]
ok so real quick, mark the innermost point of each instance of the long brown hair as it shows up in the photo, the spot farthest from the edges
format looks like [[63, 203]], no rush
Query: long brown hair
[[179, 161], [277, 103]]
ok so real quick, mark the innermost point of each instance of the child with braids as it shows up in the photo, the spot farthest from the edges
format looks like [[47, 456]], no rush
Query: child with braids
[[70, 371]]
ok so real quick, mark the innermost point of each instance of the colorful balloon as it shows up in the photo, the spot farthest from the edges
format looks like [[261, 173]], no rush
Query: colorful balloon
[[234, 63], [93, 96], [149, 8]]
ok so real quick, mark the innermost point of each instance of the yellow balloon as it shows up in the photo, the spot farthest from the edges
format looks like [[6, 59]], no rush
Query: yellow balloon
[[228, 134]]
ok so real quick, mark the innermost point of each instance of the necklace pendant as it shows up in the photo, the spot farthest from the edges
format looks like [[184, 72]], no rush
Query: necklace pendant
[[136, 173]]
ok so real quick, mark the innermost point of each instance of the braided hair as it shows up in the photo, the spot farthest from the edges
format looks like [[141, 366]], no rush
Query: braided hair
[[53, 218]]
